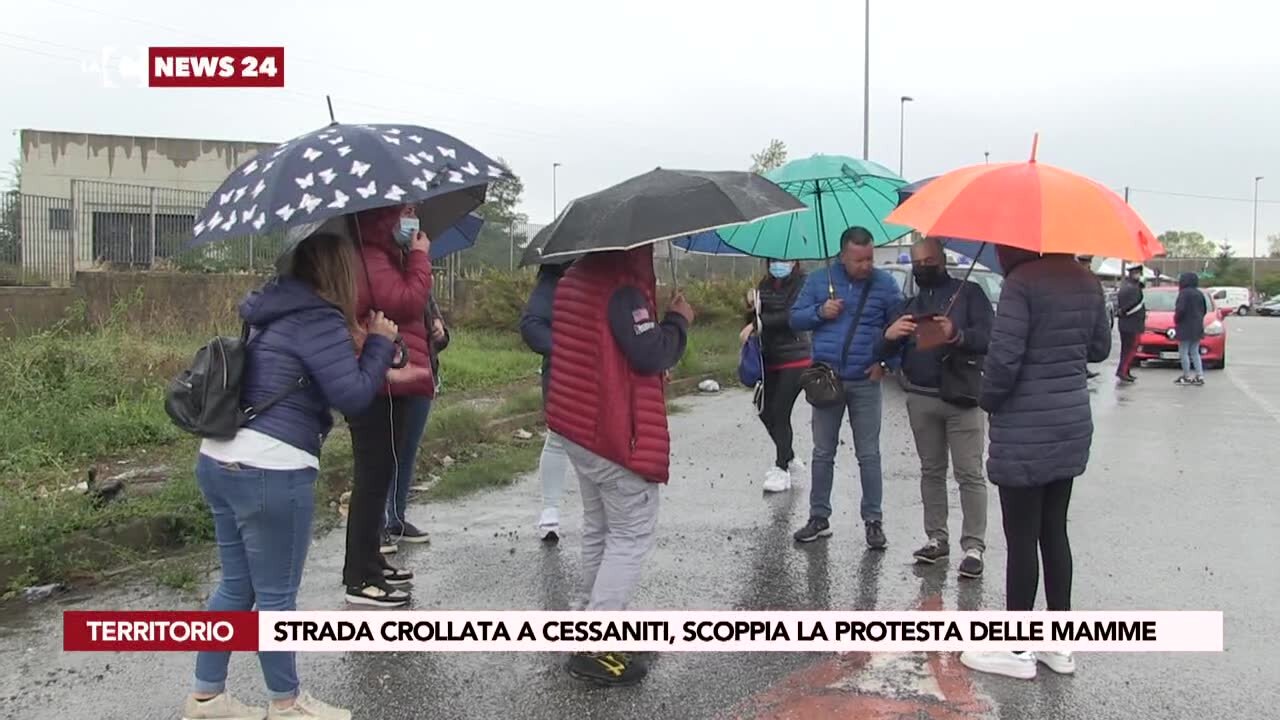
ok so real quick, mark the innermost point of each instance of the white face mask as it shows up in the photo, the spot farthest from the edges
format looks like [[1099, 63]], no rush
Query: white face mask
[[407, 231]]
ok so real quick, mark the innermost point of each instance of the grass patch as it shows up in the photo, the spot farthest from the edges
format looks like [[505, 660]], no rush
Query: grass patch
[[481, 359], [178, 574], [712, 352], [522, 402], [494, 465], [457, 425]]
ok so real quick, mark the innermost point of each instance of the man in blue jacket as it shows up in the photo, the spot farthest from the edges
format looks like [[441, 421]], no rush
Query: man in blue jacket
[[847, 308]]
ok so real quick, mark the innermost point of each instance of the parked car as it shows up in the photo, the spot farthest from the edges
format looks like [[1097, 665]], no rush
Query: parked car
[[989, 281], [1159, 342], [1236, 300], [1270, 307]]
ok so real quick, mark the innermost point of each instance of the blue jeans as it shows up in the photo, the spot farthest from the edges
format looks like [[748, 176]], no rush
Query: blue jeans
[[1189, 356], [262, 522], [419, 409], [862, 400]]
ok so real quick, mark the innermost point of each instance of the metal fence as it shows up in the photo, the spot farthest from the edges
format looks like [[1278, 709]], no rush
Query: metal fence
[[35, 240]]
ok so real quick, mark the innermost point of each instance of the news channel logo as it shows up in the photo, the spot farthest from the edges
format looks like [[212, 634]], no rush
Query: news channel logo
[[120, 67]]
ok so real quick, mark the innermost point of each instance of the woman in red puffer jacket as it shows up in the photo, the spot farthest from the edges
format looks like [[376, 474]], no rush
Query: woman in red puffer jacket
[[385, 438]]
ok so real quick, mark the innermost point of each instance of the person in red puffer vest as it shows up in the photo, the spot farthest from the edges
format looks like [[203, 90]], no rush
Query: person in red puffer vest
[[396, 280], [606, 399]]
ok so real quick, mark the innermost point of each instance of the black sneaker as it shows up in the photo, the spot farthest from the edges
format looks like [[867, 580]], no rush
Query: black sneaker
[[610, 668], [971, 565], [409, 533], [397, 576], [1183, 381], [387, 544], [1127, 379], [932, 552], [814, 529], [1198, 381], [377, 594], [875, 536]]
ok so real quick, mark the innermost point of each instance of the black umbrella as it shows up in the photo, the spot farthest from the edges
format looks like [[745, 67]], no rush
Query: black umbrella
[[657, 206]]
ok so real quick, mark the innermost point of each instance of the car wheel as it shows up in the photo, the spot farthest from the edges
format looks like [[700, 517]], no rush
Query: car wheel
[[1221, 364], [1242, 310]]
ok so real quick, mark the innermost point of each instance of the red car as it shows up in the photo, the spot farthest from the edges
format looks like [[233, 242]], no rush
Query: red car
[[1159, 342]]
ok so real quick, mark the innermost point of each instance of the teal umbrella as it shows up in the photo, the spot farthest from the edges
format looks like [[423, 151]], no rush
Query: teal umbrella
[[843, 192]]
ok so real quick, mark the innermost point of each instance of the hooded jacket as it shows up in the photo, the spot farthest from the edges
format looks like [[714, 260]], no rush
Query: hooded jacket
[[295, 333], [1189, 309], [1051, 322], [398, 283]]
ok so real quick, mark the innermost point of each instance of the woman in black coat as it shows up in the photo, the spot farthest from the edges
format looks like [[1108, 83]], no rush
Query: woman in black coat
[[786, 355], [1051, 322], [1188, 323]]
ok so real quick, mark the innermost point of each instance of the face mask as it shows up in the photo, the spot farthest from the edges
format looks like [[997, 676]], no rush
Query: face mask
[[928, 276], [780, 270], [407, 231]]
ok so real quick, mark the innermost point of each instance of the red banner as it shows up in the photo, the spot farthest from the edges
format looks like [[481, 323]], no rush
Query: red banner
[[215, 67], [124, 630]]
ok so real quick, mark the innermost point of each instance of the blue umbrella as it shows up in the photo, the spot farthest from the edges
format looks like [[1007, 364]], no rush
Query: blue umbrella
[[342, 169], [459, 237], [707, 243], [982, 253]]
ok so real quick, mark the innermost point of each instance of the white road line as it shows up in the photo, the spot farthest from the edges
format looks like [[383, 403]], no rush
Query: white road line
[[1267, 406]]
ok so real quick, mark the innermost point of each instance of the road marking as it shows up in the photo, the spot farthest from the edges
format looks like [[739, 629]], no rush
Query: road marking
[[1267, 406], [873, 686]]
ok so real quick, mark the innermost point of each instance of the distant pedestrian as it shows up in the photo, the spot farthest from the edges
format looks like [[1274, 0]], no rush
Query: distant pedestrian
[[847, 307], [1132, 310], [786, 355], [1050, 322], [607, 400], [1188, 322], [942, 424], [535, 329], [1086, 261]]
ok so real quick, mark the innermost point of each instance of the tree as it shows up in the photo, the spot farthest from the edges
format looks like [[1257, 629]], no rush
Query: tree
[[500, 212], [11, 219], [1224, 261], [1184, 244], [773, 156], [1273, 243]]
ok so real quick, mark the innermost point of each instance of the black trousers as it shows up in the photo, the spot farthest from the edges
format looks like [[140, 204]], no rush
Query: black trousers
[[1128, 348], [1037, 516], [373, 447], [781, 388]]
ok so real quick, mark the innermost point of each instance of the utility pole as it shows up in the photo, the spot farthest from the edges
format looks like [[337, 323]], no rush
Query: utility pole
[[866, 85], [1253, 272]]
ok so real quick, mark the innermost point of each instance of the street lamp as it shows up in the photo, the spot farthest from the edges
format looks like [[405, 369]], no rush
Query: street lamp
[[866, 85], [1253, 273], [986, 157], [555, 202], [902, 127]]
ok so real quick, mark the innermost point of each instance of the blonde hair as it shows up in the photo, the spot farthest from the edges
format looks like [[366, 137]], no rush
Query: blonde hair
[[326, 262]]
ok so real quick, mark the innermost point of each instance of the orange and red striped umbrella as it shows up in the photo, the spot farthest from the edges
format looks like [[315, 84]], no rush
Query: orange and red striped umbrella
[[1031, 206]]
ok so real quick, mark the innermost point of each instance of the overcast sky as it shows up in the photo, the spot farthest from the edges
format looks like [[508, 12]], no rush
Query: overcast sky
[[1162, 95]]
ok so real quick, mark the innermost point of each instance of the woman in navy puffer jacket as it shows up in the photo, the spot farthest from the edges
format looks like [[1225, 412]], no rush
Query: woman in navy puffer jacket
[[260, 485]]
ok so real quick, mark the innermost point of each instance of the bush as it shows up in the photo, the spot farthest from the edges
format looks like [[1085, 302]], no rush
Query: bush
[[719, 301], [496, 299]]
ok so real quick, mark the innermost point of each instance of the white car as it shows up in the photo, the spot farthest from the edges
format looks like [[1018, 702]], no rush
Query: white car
[[1236, 300]]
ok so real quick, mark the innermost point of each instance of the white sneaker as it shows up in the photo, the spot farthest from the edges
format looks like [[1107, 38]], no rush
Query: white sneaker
[[549, 524], [1021, 665], [305, 706], [797, 467], [221, 707], [1060, 662], [777, 480]]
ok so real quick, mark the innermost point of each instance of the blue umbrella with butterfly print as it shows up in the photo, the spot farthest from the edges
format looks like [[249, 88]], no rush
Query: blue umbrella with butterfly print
[[343, 169]]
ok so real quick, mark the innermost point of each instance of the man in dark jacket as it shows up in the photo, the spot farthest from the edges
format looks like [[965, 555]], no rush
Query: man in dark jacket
[[535, 328], [1132, 310], [941, 427], [847, 306], [786, 356], [1188, 322], [607, 400], [1050, 323]]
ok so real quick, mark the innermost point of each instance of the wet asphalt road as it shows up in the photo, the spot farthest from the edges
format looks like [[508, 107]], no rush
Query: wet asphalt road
[[1178, 511]]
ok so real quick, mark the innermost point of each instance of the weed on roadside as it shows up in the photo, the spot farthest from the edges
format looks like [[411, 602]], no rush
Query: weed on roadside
[[494, 465]]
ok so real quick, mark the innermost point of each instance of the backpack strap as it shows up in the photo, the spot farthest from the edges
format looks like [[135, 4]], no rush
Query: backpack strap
[[250, 412]]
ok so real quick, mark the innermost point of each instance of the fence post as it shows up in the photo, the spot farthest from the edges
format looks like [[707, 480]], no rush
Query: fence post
[[251, 253], [511, 239], [151, 257], [76, 227]]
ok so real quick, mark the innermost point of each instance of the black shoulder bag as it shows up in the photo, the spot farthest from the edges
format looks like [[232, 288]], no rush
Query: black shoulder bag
[[822, 385], [960, 377]]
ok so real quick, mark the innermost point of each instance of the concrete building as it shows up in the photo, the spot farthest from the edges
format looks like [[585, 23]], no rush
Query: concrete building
[[125, 200]]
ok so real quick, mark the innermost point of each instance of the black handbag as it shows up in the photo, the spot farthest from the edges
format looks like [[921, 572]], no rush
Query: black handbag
[[822, 385], [960, 380]]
